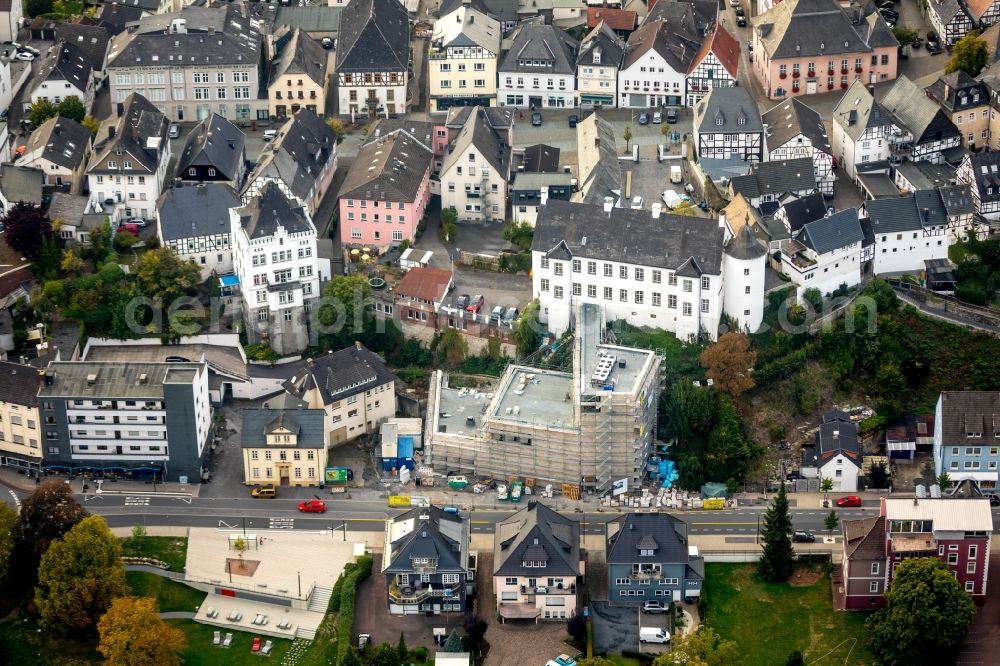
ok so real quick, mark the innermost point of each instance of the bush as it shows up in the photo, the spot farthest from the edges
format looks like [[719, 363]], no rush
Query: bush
[[348, 592], [420, 653], [260, 353]]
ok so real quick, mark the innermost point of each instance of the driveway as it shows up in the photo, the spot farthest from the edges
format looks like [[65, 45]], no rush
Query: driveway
[[616, 628], [981, 643]]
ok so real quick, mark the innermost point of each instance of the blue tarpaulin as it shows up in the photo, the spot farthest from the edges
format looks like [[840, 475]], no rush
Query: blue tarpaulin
[[230, 280], [668, 472], [404, 447]]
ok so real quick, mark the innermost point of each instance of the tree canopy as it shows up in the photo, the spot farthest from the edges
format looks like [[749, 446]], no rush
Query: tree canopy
[[968, 54], [46, 515], [8, 518], [132, 634], [926, 616], [527, 331], [729, 363], [346, 313], [453, 643], [79, 576], [40, 111], [72, 107], [703, 647], [26, 229], [778, 557]]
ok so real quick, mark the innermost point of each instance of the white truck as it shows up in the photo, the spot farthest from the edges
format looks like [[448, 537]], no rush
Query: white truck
[[676, 175]]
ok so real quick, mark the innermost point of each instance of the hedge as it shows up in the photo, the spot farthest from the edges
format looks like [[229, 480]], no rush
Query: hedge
[[349, 587]]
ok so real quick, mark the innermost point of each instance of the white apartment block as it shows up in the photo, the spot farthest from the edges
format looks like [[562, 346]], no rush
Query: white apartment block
[[476, 169], [465, 47], [863, 130], [539, 70]]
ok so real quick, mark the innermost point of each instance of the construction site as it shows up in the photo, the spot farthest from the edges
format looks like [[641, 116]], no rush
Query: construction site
[[578, 429]]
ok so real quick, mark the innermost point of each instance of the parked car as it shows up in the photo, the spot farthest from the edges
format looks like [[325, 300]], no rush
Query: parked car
[[933, 47], [850, 500], [128, 228], [269, 134], [137, 221], [644, 118], [889, 14], [801, 536], [657, 118], [312, 506], [265, 490], [993, 498], [497, 314], [462, 302], [734, 3], [24, 55], [327, 43], [671, 116], [510, 316], [573, 120], [175, 131], [741, 21], [536, 119], [636, 203], [916, 43], [793, 476], [475, 304], [741, 12], [654, 607], [22, 48]]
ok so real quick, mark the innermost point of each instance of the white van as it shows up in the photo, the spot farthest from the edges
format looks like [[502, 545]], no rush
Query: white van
[[653, 635], [676, 175]]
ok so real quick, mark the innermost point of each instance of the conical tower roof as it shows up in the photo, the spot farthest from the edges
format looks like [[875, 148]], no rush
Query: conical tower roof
[[744, 245]]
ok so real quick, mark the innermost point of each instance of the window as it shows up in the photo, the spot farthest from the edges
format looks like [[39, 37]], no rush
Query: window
[[577, 289], [688, 285], [970, 586], [623, 581], [952, 558], [970, 567], [687, 309], [558, 292], [557, 268], [607, 270], [449, 579], [591, 291], [873, 586], [623, 272], [875, 568], [576, 265], [608, 293], [545, 284], [704, 305], [671, 301], [638, 298], [656, 277], [973, 551], [623, 295]]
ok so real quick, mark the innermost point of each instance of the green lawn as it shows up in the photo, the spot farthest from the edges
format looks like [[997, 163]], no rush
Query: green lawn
[[201, 652], [170, 595], [172, 550], [771, 621]]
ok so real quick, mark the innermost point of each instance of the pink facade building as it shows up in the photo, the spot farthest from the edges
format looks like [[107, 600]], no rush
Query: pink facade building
[[386, 191], [807, 47]]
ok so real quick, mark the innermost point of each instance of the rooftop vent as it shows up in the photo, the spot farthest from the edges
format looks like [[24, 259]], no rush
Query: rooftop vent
[[91, 379]]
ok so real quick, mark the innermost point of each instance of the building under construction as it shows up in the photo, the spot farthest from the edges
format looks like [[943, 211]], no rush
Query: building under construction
[[586, 427]]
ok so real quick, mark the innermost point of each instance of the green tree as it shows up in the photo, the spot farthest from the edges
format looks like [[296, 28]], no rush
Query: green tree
[[72, 107], [665, 130], [383, 654], [778, 557], [338, 128], [46, 261], [703, 647], [968, 54], [594, 661], [627, 135], [41, 111], [926, 616], [527, 332], [79, 576], [35, 8], [576, 627], [132, 634], [831, 521], [878, 476], [26, 229], [46, 515], [454, 642], [944, 480], [351, 658], [826, 485], [446, 232], [905, 35], [795, 659], [519, 234], [475, 628], [160, 274], [241, 546], [71, 262], [451, 347], [8, 518], [125, 240], [347, 311], [686, 209], [813, 297], [91, 123], [401, 647]]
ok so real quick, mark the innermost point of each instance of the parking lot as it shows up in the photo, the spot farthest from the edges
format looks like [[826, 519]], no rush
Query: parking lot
[[650, 179], [616, 628]]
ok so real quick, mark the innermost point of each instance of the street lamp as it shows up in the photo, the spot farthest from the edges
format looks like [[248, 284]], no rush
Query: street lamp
[[151, 464]]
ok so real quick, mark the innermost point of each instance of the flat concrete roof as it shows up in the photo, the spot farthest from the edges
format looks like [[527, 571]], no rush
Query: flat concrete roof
[[226, 359], [82, 379], [459, 405], [624, 379], [536, 397]]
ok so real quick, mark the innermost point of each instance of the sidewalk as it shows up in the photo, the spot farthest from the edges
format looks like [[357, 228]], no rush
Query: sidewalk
[[16, 481]]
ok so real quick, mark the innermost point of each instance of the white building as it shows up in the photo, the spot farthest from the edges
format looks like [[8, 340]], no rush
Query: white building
[[60, 147], [64, 72], [462, 63], [539, 70], [664, 271], [11, 13], [597, 66], [826, 254], [835, 453], [907, 231], [476, 169], [743, 268], [280, 273], [194, 222], [862, 130], [726, 123], [793, 130], [655, 66], [981, 172], [373, 55]]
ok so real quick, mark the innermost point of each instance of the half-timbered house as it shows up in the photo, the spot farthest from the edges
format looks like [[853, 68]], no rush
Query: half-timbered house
[[793, 130], [727, 122], [373, 54]]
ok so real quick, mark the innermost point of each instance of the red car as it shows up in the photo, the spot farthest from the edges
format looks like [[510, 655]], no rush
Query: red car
[[850, 500], [475, 304], [312, 506]]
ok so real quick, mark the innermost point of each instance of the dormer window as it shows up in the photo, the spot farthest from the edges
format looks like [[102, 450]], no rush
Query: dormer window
[[719, 121], [741, 120], [646, 552], [597, 57]]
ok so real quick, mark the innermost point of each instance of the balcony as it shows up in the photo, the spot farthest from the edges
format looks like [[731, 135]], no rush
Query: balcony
[[412, 595], [532, 592]]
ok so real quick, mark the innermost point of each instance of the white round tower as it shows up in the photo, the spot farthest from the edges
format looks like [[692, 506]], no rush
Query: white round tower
[[743, 262]]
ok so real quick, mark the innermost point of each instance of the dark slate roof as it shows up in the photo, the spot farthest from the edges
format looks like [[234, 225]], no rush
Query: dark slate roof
[[391, 169], [931, 207], [789, 119], [19, 384], [631, 236], [20, 183], [830, 233], [858, 110], [148, 5], [92, 40], [115, 17], [893, 215], [820, 28], [676, 40], [496, 117], [540, 158], [964, 412], [957, 199], [914, 110], [986, 173], [63, 141], [480, 134], [874, 30], [776, 178], [835, 437], [307, 424], [504, 10], [702, 14], [214, 142], [435, 535], [140, 132], [800, 211], [665, 531], [303, 145], [958, 91], [536, 533], [199, 210], [269, 210], [744, 245], [373, 36], [420, 130], [925, 175], [600, 170], [946, 9], [604, 39], [864, 539], [341, 374], [67, 62], [541, 43], [301, 54], [733, 106]]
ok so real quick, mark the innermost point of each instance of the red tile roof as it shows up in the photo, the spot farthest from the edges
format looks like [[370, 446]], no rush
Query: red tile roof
[[426, 284], [617, 19], [726, 49], [978, 7]]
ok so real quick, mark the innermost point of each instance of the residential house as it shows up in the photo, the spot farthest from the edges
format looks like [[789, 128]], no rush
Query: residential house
[[353, 386], [564, 14], [151, 6], [649, 559], [129, 163], [835, 454], [927, 132], [794, 212], [863, 130], [956, 531], [194, 223], [504, 11], [703, 13], [77, 219], [93, 42], [597, 64], [826, 254], [141, 420], [19, 183], [727, 122], [983, 13], [115, 17], [213, 152], [907, 231], [373, 56], [531, 190], [771, 181], [981, 172], [967, 437], [657, 59], [20, 423], [298, 75], [280, 272], [286, 447], [913, 176], [950, 20], [431, 135], [715, 65], [806, 47], [960, 210], [11, 13], [419, 295], [64, 72], [385, 193], [426, 562], [539, 69], [301, 160], [622, 22], [539, 158], [476, 171], [536, 564], [462, 62], [192, 63], [60, 147], [627, 268], [600, 172], [967, 103], [793, 130]]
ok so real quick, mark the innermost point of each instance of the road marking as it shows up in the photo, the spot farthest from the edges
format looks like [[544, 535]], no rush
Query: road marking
[[281, 524], [17, 500], [136, 501], [732, 523]]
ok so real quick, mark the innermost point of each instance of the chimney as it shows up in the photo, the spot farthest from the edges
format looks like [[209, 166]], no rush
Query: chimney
[[657, 207], [112, 131], [472, 19], [597, 142], [609, 203], [357, 345], [211, 29], [544, 195]]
